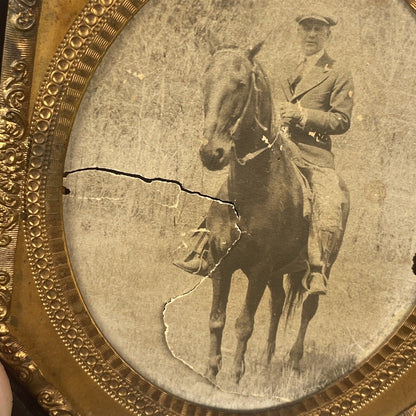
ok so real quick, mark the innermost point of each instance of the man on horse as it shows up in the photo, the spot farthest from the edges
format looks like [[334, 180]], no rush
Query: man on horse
[[319, 104]]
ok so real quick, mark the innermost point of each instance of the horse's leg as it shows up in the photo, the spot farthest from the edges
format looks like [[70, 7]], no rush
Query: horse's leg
[[308, 312], [221, 280], [277, 298], [311, 303], [245, 322]]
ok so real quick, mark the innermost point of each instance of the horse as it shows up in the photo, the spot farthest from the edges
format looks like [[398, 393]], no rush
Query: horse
[[266, 234]]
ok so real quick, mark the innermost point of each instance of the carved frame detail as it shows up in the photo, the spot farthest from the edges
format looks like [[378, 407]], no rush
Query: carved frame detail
[[31, 189]]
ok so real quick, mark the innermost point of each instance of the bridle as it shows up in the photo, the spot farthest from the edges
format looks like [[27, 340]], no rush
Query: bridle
[[254, 90]]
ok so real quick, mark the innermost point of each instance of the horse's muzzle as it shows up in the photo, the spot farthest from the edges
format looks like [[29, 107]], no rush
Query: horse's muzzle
[[213, 158]]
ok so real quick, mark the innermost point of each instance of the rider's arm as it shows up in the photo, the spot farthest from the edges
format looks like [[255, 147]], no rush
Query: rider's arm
[[335, 120]]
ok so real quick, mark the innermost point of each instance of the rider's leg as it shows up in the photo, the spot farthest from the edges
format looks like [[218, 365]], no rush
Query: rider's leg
[[326, 223], [196, 262]]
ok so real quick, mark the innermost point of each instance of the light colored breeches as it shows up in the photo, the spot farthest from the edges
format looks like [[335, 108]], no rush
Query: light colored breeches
[[326, 220]]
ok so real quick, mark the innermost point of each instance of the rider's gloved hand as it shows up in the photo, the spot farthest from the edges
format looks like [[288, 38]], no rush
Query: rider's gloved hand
[[290, 113]]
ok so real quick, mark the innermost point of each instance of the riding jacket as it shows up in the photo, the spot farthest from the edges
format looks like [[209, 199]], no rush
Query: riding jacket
[[325, 94]]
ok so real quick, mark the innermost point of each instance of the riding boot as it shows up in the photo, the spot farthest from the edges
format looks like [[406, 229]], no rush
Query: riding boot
[[196, 261], [320, 246]]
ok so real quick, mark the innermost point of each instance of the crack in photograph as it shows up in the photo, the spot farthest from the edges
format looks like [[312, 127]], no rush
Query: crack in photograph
[[239, 208]]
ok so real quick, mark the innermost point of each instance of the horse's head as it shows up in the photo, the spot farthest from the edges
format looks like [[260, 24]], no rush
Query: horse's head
[[228, 90]]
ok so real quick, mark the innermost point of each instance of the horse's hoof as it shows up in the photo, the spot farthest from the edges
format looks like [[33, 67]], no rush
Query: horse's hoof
[[270, 352], [214, 366], [211, 375], [295, 366], [296, 369], [239, 372], [237, 377]]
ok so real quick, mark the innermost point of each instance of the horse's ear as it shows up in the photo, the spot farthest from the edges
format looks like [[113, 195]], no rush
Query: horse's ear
[[254, 50], [213, 42]]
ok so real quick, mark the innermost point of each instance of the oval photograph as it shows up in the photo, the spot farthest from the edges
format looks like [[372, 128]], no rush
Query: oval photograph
[[240, 205]]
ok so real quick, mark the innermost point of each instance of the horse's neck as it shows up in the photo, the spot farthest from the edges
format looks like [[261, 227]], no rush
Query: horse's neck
[[271, 173], [272, 170]]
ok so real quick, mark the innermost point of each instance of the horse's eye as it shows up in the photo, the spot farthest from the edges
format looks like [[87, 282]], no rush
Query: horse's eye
[[241, 84]]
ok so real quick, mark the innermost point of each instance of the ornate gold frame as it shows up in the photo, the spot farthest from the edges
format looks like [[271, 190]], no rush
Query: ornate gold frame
[[32, 245]]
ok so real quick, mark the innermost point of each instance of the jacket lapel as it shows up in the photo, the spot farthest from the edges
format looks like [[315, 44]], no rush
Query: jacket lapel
[[318, 74], [287, 66]]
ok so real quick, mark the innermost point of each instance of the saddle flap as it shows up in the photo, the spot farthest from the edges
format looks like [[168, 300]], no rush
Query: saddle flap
[[306, 192]]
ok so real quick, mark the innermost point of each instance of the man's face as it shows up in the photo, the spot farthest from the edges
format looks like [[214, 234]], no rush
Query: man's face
[[313, 36]]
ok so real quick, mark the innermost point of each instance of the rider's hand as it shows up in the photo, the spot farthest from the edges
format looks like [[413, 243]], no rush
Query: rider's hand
[[6, 397], [290, 113]]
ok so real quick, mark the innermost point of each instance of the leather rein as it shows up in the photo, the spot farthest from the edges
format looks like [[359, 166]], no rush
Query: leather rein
[[254, 90]]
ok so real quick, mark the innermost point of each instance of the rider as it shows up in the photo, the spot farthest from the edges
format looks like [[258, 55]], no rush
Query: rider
[[319, 103]]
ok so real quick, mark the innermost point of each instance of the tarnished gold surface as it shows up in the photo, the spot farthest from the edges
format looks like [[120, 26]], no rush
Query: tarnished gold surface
[[40, 307], [412, 3], [23, 20], [24, 324]]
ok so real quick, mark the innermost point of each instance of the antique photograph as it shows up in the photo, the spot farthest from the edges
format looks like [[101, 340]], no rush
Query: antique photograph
[[239, 208]]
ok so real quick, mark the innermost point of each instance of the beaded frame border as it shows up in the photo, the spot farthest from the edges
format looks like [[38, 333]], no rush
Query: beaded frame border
[[40, 202]]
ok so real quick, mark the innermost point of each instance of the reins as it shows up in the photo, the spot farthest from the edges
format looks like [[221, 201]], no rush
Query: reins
[[252, 155], [233, 130]]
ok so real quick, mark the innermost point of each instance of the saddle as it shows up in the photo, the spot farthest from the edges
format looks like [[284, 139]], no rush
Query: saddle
[[294, 153], [306, 193]]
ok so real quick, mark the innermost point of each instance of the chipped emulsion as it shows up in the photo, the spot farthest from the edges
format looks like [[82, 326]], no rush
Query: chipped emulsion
[[151, 144], [171, 349], [136, 74], [174, 206]]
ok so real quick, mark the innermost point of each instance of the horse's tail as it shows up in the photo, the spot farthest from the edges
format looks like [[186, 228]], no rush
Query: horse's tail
[[295, 295]]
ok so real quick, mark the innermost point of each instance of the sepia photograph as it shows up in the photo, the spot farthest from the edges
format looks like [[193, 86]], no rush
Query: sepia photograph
[[239, 201]]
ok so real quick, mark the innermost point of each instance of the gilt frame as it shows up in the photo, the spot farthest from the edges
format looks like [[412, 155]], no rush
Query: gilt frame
[[41, 94]]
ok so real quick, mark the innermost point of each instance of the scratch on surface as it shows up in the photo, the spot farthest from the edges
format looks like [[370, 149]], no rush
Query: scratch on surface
[[354, 340], [175, 205], [265, 140], [184, 244], [202, 279], [189, 292], [98, 198]]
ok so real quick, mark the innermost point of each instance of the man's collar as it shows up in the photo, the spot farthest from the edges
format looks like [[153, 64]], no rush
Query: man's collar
[[312, 60]]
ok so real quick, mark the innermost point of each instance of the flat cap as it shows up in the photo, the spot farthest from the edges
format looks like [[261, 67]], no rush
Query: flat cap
[[320, 18]]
